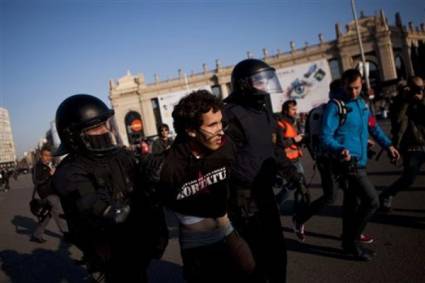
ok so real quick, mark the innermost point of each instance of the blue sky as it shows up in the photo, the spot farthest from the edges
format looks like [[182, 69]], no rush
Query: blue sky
[[50, 50]]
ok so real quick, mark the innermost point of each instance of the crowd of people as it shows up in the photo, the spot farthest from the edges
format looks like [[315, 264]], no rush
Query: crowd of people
[[219, 175]]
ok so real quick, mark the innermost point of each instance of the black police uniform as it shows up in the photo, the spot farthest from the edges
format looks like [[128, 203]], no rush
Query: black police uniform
[[253, 208], [110, 215], [89, 186]]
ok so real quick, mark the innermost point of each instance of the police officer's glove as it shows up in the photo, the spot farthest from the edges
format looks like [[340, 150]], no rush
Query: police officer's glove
[[246, 203], [150, 167], [117, 212]]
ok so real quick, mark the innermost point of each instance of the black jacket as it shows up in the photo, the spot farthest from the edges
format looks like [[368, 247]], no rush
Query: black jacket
[[251, 128], [42, 180], [159, 145], [87, 186], [408, 124]]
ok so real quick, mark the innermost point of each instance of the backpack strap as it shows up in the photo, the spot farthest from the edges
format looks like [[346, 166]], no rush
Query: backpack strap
[[342, 110]]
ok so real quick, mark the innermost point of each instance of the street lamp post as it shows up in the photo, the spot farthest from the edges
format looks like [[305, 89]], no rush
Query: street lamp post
[[359, 37]]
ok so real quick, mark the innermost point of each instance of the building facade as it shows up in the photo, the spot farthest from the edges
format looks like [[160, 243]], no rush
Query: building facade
[[388, 50], [7, 146]]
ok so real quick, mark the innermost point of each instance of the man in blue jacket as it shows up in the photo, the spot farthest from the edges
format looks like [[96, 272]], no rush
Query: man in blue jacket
[[348, 143]]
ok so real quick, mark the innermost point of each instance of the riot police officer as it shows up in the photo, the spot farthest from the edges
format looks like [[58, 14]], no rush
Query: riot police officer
[[251, 127], [110, 216]]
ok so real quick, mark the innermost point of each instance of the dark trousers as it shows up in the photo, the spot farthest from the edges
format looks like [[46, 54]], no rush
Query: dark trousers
[[260, 226], [265, 238], [210, 264], [121, 254], [330, 191], [360, 203], [256, 217], [121, 269], [412, 162], [55, 213]]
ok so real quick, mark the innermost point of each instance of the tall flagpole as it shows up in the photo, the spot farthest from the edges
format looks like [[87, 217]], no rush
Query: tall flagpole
[[359, 37]]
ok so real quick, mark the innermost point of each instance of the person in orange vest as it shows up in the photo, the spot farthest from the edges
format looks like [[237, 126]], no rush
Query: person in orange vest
[[290, 140]]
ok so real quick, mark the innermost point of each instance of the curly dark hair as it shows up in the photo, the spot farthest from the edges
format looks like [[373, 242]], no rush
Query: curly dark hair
[[187, 114]]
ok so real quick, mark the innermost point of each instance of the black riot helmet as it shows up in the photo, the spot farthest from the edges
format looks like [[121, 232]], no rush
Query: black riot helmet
[[253, 76], [84, 124]]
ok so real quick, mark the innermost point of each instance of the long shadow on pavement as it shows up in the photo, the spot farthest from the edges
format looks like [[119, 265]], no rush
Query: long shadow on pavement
[[293, 245], [390, 173], [161, 271], [410, 189], [41, 266], [26, 226], [47, 266], [409, 210], [314, 234], [317, 186], [408, 221]]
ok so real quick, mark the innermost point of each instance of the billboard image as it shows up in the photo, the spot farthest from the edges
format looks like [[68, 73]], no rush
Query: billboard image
[[307, 83]]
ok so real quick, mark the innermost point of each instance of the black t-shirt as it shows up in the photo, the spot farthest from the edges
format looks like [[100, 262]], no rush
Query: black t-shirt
[[196, 187]]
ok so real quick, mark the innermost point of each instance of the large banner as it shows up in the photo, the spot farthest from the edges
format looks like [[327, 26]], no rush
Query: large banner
[[169, 100], [307, 83]]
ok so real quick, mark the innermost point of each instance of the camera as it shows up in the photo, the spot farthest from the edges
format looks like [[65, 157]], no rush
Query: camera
[[117, 212], [349, 167], [370, 153]]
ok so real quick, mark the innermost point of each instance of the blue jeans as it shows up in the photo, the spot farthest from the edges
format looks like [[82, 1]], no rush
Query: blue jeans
[[360, 203]]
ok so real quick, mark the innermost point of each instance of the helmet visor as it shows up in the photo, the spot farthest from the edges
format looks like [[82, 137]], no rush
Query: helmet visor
[[266, 81], [101, 137]]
